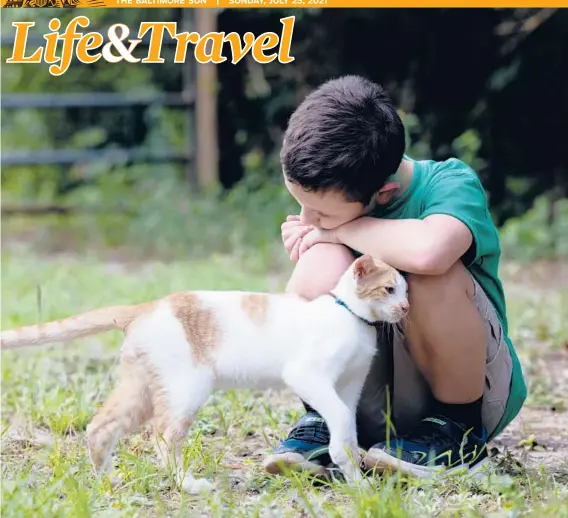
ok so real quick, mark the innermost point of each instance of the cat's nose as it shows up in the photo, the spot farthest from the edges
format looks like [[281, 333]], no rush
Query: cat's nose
[[404, 307]]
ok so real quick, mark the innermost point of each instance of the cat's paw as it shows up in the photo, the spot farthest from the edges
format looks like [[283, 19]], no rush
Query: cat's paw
[[196, 486], [366, 486], [117, 481]]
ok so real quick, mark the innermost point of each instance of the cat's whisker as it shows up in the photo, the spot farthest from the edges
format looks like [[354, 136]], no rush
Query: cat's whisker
[[406, 319]]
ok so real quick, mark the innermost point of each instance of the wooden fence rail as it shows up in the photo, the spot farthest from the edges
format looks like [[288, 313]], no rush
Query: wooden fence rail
[[197, 96]]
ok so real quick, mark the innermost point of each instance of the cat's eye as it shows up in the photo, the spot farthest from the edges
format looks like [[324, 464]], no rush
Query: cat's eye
[[390, 290]]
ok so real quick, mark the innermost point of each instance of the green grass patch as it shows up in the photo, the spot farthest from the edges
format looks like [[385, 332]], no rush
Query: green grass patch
[[50, 394]]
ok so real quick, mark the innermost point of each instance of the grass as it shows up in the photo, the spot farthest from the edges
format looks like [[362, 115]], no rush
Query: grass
[[49, 395]]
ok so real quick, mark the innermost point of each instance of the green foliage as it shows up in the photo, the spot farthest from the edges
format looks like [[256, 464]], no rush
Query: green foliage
[[143, 214], [245, 220], [474, 107], [417, 138], [159, 213], [466, 147], [539, 234]]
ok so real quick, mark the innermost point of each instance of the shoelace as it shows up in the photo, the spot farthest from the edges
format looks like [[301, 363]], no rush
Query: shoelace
[[431, 436], [313, 432]]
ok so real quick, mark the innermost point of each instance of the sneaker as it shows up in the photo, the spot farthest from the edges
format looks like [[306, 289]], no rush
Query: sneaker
[[437, 444], [305, 449]]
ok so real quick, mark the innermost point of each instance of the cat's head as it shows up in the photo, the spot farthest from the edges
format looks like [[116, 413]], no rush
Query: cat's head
[[382, 288]]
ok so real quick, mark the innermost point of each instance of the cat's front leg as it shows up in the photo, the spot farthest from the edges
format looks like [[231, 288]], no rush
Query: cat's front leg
[[316, 389], [343, 446]]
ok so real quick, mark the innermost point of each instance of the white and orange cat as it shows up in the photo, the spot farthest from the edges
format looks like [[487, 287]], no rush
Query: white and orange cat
[[180, 348]]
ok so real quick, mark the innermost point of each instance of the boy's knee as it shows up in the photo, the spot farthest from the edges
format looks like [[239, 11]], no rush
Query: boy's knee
[[437, 288], [319, 269]]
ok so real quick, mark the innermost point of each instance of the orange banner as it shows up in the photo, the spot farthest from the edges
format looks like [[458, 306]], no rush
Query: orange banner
[[282, 3]]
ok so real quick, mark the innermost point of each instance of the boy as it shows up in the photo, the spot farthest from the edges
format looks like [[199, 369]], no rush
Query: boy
[[448, 380]]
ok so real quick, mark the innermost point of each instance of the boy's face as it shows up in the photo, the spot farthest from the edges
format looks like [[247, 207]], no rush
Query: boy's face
[[327, 209]]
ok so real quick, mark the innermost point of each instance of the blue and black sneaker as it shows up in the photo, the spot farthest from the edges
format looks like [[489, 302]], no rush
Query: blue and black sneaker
[[437, 444], [305, 449]]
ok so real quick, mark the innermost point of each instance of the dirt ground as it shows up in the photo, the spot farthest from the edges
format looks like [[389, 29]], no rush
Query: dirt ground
[[539, 435]]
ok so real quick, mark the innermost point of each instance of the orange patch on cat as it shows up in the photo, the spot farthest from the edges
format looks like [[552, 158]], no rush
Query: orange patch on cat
[[255, 305], [128, 405], [199, 324], [377, 277], [126, 315]]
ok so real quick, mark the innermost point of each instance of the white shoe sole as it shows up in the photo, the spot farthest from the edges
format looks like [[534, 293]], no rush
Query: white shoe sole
[[277, 464], [380, 461]]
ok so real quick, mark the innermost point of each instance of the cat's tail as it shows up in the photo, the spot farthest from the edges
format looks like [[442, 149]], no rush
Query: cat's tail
[[78, 326]]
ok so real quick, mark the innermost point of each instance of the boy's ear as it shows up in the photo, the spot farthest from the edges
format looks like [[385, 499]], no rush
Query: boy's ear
[[386, 192]]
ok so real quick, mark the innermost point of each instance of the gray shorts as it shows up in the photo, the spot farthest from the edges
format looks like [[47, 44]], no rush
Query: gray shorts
[[395, 391]]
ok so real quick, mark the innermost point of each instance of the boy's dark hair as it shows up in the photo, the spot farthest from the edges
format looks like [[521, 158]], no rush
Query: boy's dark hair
[[345, 135]]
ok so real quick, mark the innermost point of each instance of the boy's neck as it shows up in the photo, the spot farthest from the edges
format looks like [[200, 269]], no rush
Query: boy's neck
[[403, 176], [395, 186]]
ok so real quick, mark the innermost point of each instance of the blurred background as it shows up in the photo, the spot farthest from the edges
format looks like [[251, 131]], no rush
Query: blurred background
[[181, 160], [124, 182]]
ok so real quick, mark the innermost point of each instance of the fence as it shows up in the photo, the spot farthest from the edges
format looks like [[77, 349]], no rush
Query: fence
[[197, 97]]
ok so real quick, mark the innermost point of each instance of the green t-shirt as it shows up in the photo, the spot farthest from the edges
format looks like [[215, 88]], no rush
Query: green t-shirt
[[453, 188]]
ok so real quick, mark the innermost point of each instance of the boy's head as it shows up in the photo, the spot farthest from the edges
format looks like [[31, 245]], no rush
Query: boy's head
[[342, 143]]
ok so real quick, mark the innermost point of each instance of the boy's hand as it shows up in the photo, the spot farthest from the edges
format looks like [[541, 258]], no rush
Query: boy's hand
[[315, 236], [293, 230]]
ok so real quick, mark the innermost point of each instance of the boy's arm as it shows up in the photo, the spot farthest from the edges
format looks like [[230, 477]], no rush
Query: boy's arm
[[428, 247], [455, 223]]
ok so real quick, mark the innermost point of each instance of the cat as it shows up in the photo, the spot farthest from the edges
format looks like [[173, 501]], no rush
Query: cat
[[178, 349]]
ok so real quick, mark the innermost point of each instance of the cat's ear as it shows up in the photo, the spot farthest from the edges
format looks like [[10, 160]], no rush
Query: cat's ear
[[362, 267]]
